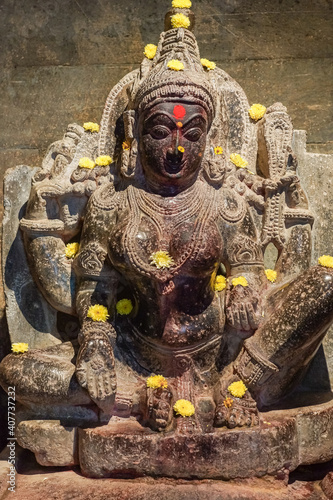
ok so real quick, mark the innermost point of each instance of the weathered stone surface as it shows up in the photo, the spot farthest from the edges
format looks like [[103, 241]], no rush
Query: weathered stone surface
[[52, 443], [327, 485], [29, 317], [284, 440], [314, 171], [34, 481]]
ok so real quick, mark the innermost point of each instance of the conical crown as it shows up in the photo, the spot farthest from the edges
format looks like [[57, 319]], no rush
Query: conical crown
[[176, 72]]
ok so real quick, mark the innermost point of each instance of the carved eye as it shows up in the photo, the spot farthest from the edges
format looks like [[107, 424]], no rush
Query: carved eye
[[193, 134], [159, 132]]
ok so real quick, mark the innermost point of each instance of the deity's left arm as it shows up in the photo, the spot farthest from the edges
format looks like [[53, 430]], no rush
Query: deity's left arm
[[244, 259]]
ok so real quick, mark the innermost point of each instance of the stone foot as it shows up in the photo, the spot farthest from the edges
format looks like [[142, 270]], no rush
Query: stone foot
[[159, 408], [232, 411]]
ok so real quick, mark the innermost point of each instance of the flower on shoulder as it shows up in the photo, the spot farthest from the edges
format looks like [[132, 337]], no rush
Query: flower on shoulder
[[184, 408], [150, 51], [175, 65], [91, 127], [86, 163], [104, 160], [98, 313], [124, 307], [239, 281], [220, 283], [218, 150], [180, 21], [161, 259], [228, 402], [181, 149], [20, 347], [157, 381], [271, 275], [325, 261], [237, 160], [237, 389], [257, 111], [126, 146], [71, 250], [206, 63], [181, 4]]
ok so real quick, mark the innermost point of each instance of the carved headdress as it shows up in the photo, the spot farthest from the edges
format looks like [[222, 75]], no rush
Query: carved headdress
[[159, 79]]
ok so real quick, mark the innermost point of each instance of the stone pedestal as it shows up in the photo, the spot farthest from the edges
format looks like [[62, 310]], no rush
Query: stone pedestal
[[285, 439]]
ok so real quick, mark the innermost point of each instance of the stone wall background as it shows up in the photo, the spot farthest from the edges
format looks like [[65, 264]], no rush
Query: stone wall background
[[60, 58]]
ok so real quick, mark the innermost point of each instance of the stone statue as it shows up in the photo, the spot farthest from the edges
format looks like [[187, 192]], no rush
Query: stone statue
[[186, 194]]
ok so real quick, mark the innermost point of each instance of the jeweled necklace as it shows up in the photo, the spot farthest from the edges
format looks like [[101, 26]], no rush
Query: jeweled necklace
[[194, 201]]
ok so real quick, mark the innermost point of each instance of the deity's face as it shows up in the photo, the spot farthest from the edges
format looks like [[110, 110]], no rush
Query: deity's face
[[172, 144]]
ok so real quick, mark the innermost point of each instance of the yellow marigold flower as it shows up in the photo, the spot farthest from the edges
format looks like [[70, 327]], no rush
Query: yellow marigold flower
[[237, 389], [271, 275], [239, 281], [238, 160], [175, 65], [180, 21], [124, 306], [157, 381], [161, 259], [71, 250], [220, 283], [184, 408], [325, 261], [91, 127], [98, 313], [208, 64], [20, 347], [126, 146], [181, 149], [218, 150], [257, 111], [150, 50], [86, 163], [181, 4], [102, 161], [228, 402]]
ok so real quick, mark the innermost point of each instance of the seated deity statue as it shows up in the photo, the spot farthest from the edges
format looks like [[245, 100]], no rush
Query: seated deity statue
[[152, 231]]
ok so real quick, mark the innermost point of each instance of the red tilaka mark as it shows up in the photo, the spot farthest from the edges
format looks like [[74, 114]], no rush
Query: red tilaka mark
[[179, 112]]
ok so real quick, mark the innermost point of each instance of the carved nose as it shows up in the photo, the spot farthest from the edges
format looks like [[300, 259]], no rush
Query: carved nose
[[173, 153]]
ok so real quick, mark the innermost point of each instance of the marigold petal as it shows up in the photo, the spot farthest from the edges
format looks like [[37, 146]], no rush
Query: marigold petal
[[271, 275], [150, 50], [20, 347], [103, 160], [157, 381], [86, 163], [220, 283], [237, 389], [181, 4], [239, 281], [184, 408], [180, 21], [71, 250], [175, 65], [91, 127], [124, 307], [325, 261], [98, 313], [209, 65], [257, 111]]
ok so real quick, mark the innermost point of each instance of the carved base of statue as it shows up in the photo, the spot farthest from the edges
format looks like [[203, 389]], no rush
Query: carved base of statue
[[151, 235]]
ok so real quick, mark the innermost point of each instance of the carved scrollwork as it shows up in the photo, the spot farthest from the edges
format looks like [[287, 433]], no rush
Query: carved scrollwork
[[245, 251], [91, 260], [232, 206]]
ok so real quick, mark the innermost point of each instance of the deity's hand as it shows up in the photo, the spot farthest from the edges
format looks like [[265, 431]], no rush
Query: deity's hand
[[243, 308], [95, 367]]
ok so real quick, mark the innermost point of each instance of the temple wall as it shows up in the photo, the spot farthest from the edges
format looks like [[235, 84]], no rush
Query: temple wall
[[59, 59]]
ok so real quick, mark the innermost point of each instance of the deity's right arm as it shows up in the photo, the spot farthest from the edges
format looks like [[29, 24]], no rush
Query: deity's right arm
[[96, 278]]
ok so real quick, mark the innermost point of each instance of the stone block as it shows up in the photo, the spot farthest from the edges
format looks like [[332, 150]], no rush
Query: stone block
[[52, 443], [284, 440], [30, 318]]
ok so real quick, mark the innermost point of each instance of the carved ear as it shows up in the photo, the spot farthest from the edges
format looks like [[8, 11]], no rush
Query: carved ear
[[129, 159]]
